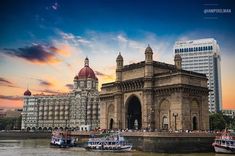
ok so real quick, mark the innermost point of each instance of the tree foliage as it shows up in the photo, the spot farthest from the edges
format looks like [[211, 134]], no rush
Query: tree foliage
[[10, 123], [218, 121]]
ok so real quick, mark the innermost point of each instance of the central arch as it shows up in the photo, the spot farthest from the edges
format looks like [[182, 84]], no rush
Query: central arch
[[133, 113]]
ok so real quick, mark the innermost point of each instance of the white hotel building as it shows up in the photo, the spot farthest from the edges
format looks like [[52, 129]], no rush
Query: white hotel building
[[78, 109], [203, 56]]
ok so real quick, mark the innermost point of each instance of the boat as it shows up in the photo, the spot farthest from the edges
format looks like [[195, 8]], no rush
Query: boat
[[225, 143], [62, 139], [112, 142]]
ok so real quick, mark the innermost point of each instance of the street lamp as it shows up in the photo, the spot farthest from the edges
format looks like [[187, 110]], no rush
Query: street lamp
[[175, 115]]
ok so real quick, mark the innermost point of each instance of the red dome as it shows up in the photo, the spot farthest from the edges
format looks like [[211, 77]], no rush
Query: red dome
[[27, 93], [86, 72]]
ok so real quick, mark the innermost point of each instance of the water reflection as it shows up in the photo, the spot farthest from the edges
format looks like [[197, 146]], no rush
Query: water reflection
[[40, 147]]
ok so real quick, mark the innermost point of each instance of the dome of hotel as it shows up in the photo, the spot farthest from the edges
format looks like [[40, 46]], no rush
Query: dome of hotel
[[86, 71], [27, 93]]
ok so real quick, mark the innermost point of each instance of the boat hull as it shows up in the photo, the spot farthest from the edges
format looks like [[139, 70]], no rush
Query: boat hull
[[223, 149], [62, 144], [122, 149]]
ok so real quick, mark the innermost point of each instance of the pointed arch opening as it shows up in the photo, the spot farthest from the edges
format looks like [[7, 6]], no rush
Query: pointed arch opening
[[133, 113], [164, 110]]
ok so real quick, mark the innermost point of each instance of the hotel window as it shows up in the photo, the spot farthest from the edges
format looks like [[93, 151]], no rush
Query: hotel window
[[209, 47], [81, 83]]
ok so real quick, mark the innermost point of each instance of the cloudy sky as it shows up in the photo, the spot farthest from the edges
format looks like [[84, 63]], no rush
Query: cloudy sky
[[43, 43]]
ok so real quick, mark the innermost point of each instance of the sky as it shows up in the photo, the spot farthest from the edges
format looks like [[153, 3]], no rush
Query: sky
[[43, 43]]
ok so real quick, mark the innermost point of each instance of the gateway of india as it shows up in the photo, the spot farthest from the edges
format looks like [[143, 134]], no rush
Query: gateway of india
[[154, 95]]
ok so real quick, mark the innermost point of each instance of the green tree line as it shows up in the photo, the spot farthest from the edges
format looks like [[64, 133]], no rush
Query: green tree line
[[10, 123], [219, 121]]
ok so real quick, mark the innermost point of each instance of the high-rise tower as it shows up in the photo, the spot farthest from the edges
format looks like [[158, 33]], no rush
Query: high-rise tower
[[203, 56]]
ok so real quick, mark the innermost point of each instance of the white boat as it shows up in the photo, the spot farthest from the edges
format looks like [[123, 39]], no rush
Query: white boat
[[224, 143], [112, 142], [62, 139]]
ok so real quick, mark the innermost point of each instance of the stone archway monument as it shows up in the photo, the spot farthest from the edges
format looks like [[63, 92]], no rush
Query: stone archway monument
[[148, 94]]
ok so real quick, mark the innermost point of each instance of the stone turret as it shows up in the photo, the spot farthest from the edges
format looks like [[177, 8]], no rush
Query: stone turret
[[178, 61], [119, 62], [148, 55], [148, 121], [148, 62]]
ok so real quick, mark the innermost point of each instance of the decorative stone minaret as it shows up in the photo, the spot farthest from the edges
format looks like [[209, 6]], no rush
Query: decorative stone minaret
[[148, 120], [148, 71], [148, 54], [119, 62], [118, 95], [178, 61]]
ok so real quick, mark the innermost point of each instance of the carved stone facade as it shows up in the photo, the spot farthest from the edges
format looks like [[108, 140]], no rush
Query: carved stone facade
[[154, 95], [78, 109]]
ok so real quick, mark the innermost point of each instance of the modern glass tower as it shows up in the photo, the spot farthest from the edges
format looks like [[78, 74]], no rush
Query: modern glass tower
[[203, 56]]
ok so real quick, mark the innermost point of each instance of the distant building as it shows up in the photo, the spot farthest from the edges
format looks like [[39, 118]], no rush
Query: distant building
[[2, 113], [203, 56], [154, 95], [13, 113], [78, 109], [229, 112]]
